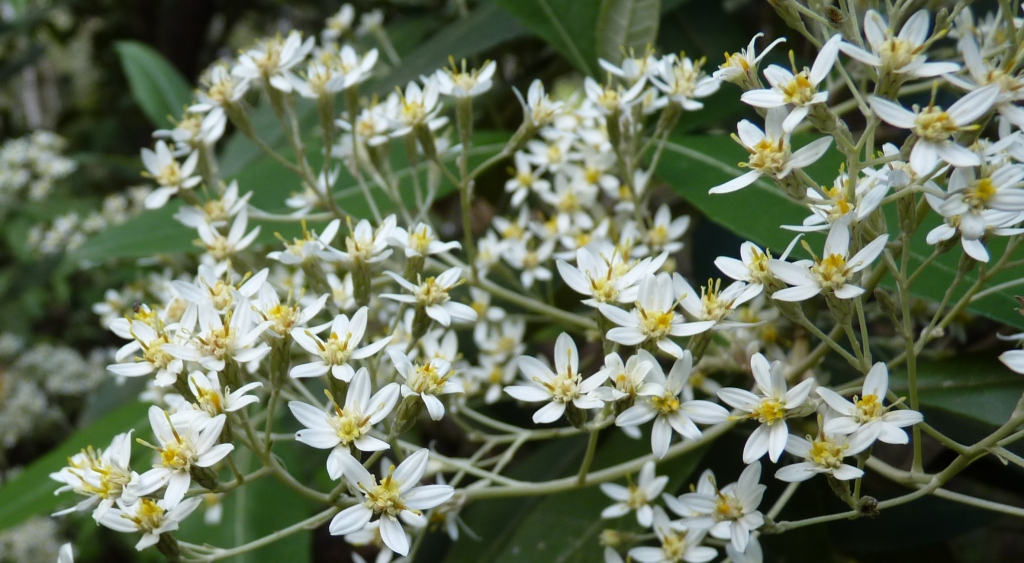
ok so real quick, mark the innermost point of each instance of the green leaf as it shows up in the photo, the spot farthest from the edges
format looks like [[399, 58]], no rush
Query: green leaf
[[255, 510], [563, 527], [694, 164], [31, 492], [568, 26], [486, 27], [625, 26], [977, 386], [161, 92], [156, 232]]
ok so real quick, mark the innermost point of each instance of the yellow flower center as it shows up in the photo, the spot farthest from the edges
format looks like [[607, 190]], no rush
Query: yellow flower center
[[934, 124], [799, 91], [827, 453], [869, 408], [768, 156], [769, 411], [978, 194], [832, 271], [666, 404], [655, 324], [385, 498]]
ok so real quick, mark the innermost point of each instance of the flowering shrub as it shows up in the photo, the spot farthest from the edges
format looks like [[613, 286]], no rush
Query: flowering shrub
[[379, 323]]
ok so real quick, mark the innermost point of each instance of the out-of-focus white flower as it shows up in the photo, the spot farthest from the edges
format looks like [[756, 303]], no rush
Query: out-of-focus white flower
[[526, 179], [934, 126], [394, 497], [273, 59], [559, 388], [729, 513], [770, 152], [223, 247], [215, 212], [420, 241], [416, 107], [349, 425], [171, 175], [339, 24], [538, 109], [636, 497], [770, 408], [461, 83]]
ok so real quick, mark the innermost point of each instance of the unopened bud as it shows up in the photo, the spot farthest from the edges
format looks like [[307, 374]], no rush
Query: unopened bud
[[408, 413], [168, 546], [576, 416]]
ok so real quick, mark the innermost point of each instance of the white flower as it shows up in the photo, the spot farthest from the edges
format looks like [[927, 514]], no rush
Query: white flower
[[223, 247], [742, 66], [195, 130], [999, 223], [822, 454], [625, 379], [799, 90], [633, 67], [495, 373], [866, 418], [538, 109], [530, 260], [216, 342], [1013, 359], [984, 71], [285, 317], [214, 399], [752, 266], [101, 475], [171, 175], [835, 203], [66, 554], [215, 212], [426, 380], [306, 248], [678, 543], [339, 24], [770, 408], [462, 83], [273, 59], [934, 126], [349, 425], [219, 89], [152, 518], [393, 497], [653, 319], [353, 68], [669, 401], [636, 497], [604, 277], [432, 295], [365, 245], [713, 304], [683, 81], [770, 152], [901, 54], [830, 273], [340, 347], [416, 107], [185, 441], [526, 179], [420, 241], [611, 100], [730, 513], [503, 340], [154, 358], [563, 386], [970, 196], [664, 233]]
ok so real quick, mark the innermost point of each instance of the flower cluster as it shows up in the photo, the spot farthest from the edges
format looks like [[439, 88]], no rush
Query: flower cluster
[[360, 325]]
